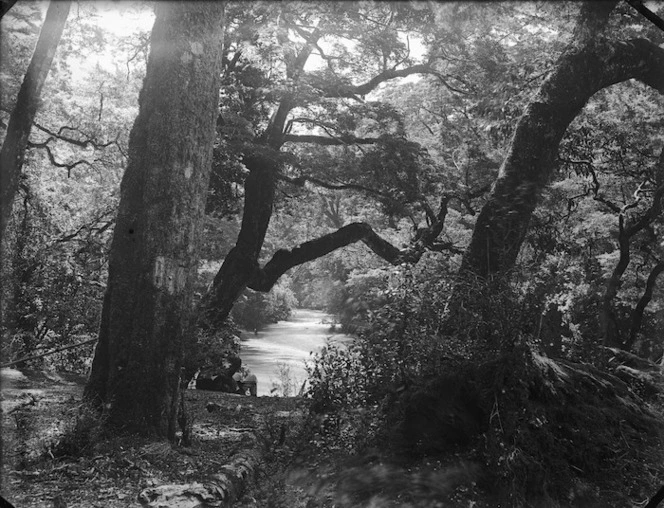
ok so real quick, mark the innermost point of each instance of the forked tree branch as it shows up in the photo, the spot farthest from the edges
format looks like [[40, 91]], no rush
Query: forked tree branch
[[88, 141], [54, 162]]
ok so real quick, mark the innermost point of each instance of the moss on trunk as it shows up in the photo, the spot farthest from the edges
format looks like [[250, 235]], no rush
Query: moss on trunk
[[153, 262]]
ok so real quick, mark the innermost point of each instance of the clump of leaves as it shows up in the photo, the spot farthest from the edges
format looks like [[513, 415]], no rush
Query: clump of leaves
[[557, 431], [205, 349], [254, 309], [562, 433]]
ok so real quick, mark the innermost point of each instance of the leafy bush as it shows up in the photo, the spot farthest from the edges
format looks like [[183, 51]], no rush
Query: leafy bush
[[362, 292], [207, 349], [550, 431], [254, 310], [407, 343]]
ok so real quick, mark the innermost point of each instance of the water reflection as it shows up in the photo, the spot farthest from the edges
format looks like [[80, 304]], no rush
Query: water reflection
[[286, 343]]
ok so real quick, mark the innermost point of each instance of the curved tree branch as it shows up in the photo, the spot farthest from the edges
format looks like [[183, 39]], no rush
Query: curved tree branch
[[589, 64], [352, 91], [54, 162], [84, 143], [283, 260], [218, 303], [646, 297], [647, 13]]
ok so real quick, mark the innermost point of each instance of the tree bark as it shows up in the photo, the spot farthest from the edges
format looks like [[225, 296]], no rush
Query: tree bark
[[147, 309], [646, 297], [263, 163], [589, 64], [25, 110], [610, 330]]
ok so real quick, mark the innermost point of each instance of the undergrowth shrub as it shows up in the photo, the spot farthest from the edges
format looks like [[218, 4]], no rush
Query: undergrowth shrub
[[407, 344], [566, 434], [254, 309], [205, 349], [286, 384], [553, 434], [82, 432]]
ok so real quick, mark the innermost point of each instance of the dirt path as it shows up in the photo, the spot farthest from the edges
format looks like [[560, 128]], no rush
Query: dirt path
[[231, 435]]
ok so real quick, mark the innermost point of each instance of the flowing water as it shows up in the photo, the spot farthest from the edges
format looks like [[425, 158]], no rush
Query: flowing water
[[284, 346]]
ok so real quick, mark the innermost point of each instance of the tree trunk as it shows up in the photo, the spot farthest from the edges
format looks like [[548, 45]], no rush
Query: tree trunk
[[27, 101], [610, 328], [241, 263], [147, 309], [637, 314], [263, 163], [589, 64], [626, 231]]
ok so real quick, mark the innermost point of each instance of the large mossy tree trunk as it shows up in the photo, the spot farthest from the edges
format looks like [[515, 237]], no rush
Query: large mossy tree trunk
[[590, 63], [147, 311]]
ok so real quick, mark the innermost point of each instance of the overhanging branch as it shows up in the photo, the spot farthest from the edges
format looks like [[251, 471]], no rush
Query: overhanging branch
[[351, 92], [647, 13], [329, 141], [285, 259], [300, 181]]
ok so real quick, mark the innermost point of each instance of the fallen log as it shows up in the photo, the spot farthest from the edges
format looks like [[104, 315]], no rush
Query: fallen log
[[222, 489]]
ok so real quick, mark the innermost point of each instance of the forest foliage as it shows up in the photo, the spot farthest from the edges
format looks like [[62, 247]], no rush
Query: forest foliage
[[385, 124], [443, 133]]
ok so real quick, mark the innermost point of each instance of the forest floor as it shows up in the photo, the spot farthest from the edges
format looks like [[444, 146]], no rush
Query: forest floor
[[237, 442], [244, 452]]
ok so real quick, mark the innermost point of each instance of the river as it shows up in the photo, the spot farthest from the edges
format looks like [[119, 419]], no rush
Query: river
[[284, 346]]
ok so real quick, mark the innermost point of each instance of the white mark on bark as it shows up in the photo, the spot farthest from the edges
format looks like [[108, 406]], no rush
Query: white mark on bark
[[196, 48], [186, 57], [188, 170], [191, 244], [159, 269], [169, 275]]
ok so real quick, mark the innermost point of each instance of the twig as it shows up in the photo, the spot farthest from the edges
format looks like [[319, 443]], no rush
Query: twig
[[34, 357]]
